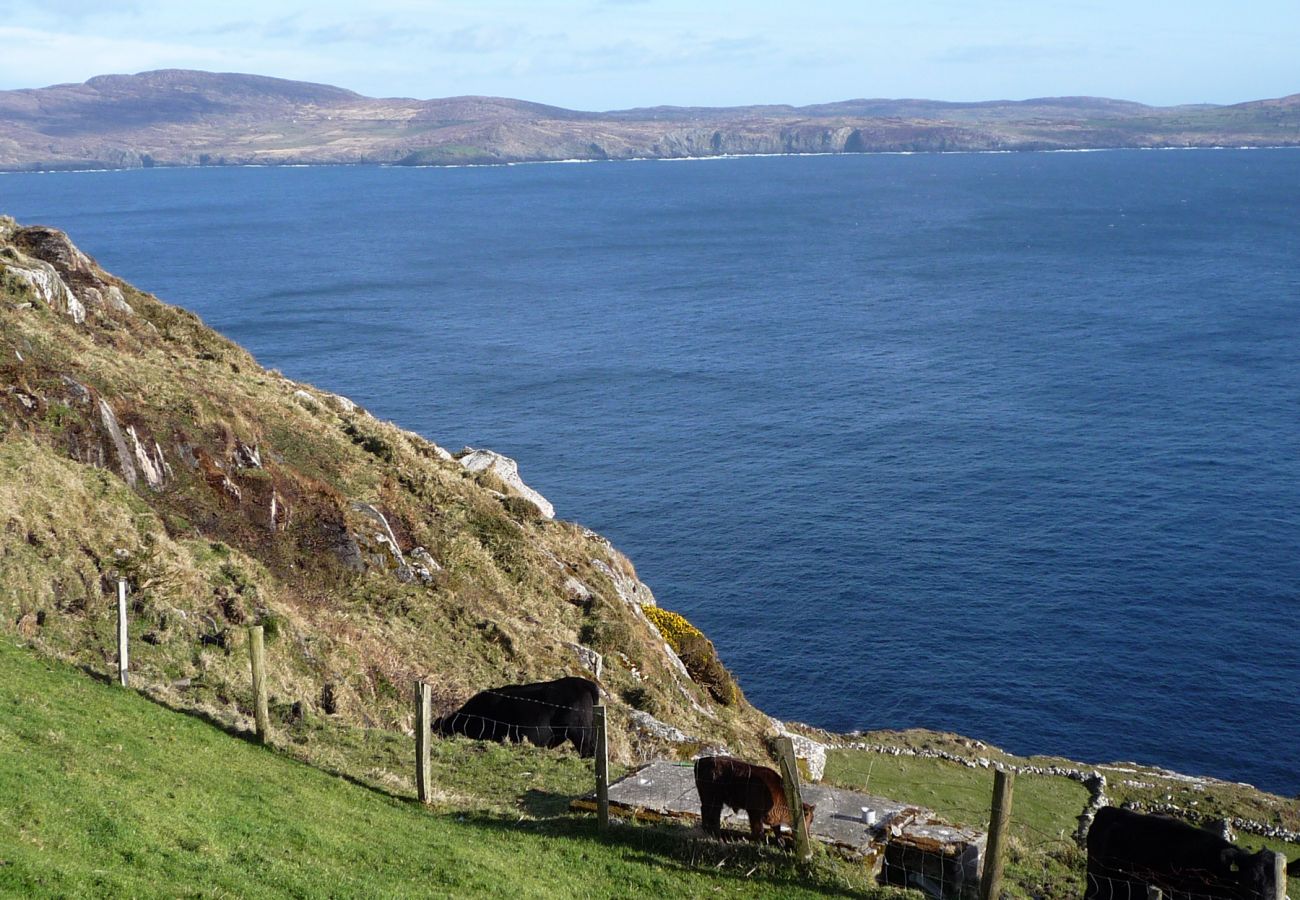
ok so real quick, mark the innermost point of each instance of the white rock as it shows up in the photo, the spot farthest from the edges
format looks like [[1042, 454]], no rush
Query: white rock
[[592, 661], [507, 470], [386, 542], [119, 442], [152, 464], [49, 287], [810, 751], [113, 296], [577, 590], [423, 565], [343, 403], [630, 590], [247, 457], [109, 297], [649, 725]]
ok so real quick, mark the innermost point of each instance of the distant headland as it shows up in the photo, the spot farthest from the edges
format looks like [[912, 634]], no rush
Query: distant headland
[[189, 118]]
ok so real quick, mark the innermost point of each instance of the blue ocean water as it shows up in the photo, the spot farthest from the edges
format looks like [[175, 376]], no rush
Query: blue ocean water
[[1007, 445]]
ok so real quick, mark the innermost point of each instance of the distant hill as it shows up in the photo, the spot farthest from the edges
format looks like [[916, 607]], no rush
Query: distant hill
[[177, 117]]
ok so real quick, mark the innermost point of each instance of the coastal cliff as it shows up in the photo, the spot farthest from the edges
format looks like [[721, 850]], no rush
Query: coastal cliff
[[137, 443], [189, 118]]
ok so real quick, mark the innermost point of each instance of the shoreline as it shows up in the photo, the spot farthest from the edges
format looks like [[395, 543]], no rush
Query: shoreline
[[630, 159]]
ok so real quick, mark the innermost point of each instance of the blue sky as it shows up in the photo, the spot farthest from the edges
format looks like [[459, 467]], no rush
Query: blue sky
[[605, 54]]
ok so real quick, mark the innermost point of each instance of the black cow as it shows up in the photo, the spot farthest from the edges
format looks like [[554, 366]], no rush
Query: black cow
[[547, 713], [1128, 850]]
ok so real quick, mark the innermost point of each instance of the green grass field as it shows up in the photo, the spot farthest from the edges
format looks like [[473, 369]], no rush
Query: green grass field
[[104, 793], [1042, 859]]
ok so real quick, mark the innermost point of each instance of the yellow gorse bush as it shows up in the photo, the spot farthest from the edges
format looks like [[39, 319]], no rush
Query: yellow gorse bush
[[697, 653], [673, 626]]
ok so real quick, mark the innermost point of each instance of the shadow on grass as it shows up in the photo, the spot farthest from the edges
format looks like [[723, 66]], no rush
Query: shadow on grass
[[665, 846], [671, 846], [545, 804], [278, 747]]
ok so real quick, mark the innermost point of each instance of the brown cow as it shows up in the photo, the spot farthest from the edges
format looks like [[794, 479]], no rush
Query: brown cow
[[723, 781]]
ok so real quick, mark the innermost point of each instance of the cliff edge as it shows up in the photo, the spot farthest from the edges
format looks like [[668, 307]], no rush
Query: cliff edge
[[135, 442]]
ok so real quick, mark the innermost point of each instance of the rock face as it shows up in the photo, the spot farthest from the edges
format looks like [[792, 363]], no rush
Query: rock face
[[124, 456], [58, 274], [631, 590], [379, 545], [507, 470], [592, 661], [811, 752], [232, 494]]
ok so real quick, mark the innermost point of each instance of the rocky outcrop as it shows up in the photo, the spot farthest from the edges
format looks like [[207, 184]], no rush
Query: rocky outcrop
[[649, 726], [379, 545], [58, 274], [630, 589], [423, 565], [507, 470], [44, 283], [125, 459], [592, 661], [813, 753], [149, 457]]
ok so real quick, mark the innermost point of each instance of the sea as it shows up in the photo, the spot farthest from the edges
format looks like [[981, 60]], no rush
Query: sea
[[1000, 444]]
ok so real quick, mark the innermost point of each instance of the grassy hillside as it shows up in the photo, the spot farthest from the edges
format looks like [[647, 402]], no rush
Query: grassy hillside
[[136, 442], [103, 793]]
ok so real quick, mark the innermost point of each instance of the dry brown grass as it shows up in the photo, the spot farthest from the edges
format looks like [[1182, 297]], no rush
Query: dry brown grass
[[204, 563]]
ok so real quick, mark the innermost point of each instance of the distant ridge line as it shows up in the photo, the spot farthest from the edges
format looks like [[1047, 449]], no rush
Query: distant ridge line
[[181, 117]]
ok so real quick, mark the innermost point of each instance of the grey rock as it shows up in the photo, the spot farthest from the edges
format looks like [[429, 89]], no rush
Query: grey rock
[[649, 726], [630, 590], [577, 591], [382, 548], [805, 748], [507, 470], [77, 391], [247, 457], [150, 459], [124, 456], [423, 565], [592, 661], [48, 286]]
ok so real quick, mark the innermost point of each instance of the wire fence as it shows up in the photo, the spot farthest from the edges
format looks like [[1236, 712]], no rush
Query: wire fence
[[946, 875], [1187, 884], [952, 870]]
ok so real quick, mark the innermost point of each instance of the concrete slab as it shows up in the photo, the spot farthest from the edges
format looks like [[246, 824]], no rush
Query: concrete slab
[[904, 845]]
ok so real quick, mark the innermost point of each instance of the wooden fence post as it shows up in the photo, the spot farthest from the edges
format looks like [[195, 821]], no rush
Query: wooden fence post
[[1154, 893], [602, 767], [257, 652], [991, 884], [1279, 876], [122, 640], [423, 695], [793, 798]]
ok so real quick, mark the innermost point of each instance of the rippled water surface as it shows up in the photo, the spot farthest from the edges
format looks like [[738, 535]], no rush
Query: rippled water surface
[[1002, 444]]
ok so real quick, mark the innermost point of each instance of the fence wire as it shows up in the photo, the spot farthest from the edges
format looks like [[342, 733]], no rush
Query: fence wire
[[1186, 884]]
